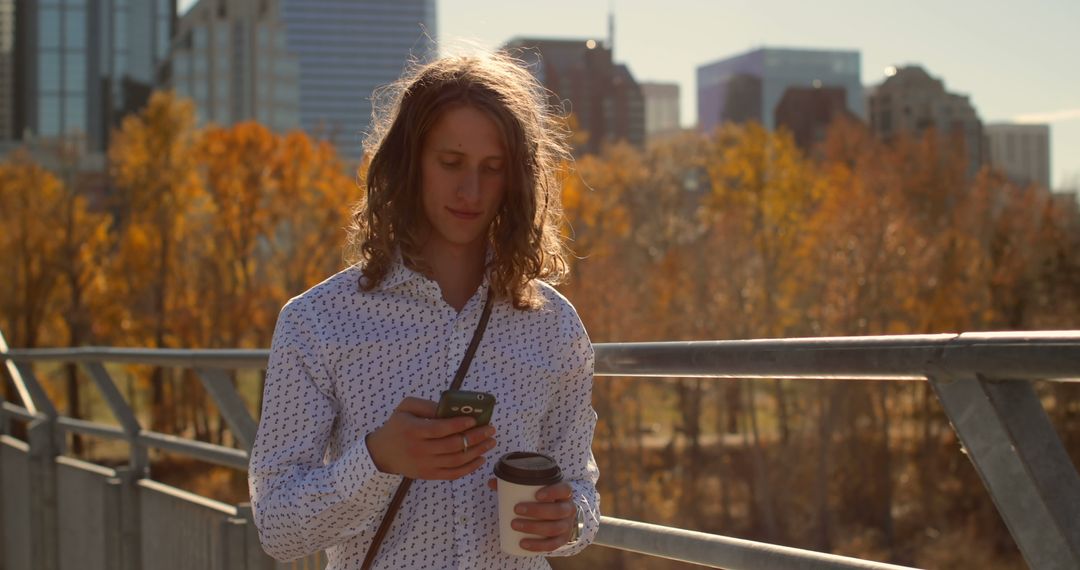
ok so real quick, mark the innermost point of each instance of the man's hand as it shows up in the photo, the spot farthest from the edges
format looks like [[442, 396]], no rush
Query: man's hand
[[552, 517], [416, 444]]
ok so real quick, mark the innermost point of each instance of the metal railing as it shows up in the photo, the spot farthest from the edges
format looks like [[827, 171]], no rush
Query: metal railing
[[982, 380]]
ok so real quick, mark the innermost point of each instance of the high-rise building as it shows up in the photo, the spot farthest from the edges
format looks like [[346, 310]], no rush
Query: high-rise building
[[7, 70], [348, 48], [230, 58], [80, 65], [807, 112], [749, 86], [911, 101], [603, 96], [1021, 151], [661, 109]]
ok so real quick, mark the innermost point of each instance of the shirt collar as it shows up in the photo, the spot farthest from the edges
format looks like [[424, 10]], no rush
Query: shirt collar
[[400, 274]]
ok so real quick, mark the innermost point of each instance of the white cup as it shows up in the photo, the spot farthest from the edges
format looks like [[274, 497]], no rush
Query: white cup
[[521, 474]]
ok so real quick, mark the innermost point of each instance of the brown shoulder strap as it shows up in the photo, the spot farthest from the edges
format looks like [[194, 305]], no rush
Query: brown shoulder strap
[[403, 487]]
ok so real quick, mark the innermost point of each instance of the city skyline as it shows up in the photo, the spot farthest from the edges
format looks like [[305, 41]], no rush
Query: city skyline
[[1012, 60]]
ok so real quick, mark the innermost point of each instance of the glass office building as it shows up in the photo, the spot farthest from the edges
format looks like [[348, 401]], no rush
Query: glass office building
[[346, 49], [80, 65], [750, 86], [230, 58]]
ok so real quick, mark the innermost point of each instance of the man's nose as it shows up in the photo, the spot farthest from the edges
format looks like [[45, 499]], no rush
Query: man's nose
[[469, 189]]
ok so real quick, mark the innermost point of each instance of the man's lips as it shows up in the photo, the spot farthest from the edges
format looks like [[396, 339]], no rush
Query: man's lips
[[463, 214]]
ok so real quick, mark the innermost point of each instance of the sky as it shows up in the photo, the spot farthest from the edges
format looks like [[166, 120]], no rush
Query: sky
[[1017, 61]]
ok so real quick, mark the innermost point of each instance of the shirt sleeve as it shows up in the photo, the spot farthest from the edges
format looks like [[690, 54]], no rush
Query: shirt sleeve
[[568, 434], [302, 502]]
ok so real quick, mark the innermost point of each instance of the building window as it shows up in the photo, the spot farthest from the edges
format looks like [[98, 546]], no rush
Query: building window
[[75, 29], [75, 114], [74, 71], [49, 115], [49, 71], [49, 28]]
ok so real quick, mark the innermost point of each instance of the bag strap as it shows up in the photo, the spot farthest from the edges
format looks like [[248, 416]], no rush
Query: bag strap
[[403, 487]]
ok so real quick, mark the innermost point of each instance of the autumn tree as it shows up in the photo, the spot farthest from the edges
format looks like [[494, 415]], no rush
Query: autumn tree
[[153, 165]]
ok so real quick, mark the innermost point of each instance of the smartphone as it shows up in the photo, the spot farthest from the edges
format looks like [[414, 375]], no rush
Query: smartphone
[[466, 403]]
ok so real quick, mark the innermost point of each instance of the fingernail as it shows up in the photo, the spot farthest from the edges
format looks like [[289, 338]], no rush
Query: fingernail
[[515, 525], [542, 496], [521, 510], [489, 432]]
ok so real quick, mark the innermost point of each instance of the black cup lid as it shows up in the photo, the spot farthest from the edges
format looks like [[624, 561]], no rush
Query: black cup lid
[[527, 468]]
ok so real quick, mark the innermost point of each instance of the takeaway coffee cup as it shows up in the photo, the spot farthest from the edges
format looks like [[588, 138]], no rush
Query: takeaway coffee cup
[[521, 474]]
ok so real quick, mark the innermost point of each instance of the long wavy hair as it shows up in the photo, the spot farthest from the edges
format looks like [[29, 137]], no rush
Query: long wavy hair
[[525, 241]]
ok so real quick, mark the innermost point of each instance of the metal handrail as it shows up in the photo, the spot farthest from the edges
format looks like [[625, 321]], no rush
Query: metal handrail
[[1042, 355], [946, 360]]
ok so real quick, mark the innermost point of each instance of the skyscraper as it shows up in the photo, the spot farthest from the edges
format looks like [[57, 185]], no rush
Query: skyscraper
[[229, 57], [751, 85], [348, 48], [807, 112], [81, 65], [911, 101], [602, 95], [1022, 152], [661, 109]]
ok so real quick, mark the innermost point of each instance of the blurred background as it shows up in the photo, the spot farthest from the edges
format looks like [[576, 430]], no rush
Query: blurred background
[[174, 171]]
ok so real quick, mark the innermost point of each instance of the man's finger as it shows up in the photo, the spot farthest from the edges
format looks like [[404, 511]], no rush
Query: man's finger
[[418, 407], [543, 529], [440, 428], [451, 460], [459, 472], [546, 511], [541, 545], [454, 443], [558, 492]]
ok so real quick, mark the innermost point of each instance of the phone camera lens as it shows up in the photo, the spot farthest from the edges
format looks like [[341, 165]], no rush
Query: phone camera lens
[[466, 409]]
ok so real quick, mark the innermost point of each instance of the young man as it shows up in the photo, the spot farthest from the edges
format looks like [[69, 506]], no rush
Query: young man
[[462, 199]]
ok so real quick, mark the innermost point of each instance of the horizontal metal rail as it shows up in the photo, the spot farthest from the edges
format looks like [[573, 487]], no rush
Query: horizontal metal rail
[[216, 454], [21, 412], [91, 428], [957, 365], [1032, 356], [1051, 355], [720, 551]]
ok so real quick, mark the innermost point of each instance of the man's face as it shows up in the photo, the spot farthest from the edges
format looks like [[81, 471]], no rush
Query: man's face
[[463, 171]]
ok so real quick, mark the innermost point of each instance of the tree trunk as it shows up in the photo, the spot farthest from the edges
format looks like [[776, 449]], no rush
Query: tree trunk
[[887, 524], [763, 488], [826, 395]]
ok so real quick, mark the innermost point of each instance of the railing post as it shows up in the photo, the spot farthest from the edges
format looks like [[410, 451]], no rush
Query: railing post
[[1021, 460], [139, 460], [233, 550], [112, 519], [43, 494], [130, 533], [223, 392], [257, 559]]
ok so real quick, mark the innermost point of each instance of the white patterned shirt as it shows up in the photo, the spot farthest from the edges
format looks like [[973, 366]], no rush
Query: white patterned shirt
[[341, 361]]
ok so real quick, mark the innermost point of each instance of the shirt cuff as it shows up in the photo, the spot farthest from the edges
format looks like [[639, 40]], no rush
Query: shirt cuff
[[585, 538]]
